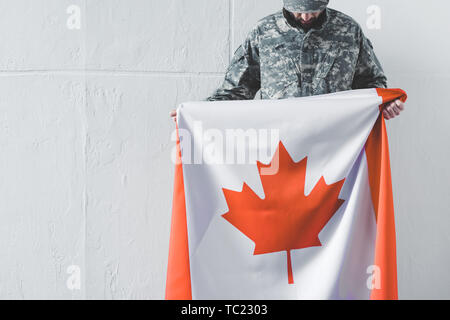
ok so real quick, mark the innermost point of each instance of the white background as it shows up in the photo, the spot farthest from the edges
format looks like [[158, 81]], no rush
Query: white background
[[85, 170]]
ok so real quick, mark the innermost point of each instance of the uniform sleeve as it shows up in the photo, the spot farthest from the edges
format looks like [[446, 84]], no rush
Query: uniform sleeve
[[242, 78], [368, 71]]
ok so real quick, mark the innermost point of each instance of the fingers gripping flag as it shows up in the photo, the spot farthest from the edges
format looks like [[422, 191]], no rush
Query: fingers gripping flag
[[284, 199]]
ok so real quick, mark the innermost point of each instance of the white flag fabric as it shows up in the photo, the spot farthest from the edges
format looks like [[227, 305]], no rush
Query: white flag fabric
[[284, 199]]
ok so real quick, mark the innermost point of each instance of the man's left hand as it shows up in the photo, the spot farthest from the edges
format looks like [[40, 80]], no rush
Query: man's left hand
[[393, 109]]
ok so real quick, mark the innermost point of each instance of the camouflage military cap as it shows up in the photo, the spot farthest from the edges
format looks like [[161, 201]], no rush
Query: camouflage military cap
[[305, 6]]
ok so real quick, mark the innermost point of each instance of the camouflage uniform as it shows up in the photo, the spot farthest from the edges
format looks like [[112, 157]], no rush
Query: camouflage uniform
[[284, 61]]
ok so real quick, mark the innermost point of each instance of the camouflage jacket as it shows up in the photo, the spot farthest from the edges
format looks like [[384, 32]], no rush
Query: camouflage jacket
[[284, 61]]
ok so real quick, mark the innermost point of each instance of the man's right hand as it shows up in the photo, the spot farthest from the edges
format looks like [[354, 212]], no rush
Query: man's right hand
[[173, 114], [393, 109]]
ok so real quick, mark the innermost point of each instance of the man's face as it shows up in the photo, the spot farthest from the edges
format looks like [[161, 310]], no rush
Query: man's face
[[306, 18]]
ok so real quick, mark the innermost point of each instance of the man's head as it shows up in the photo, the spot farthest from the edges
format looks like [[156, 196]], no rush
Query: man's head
[[305, 11]]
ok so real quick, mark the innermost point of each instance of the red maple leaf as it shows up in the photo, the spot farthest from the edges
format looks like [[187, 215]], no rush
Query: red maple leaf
[[285, 219]]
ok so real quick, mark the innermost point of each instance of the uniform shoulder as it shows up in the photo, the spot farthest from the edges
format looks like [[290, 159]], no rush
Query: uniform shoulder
[[268, 22], [271, 18], [341, 20]]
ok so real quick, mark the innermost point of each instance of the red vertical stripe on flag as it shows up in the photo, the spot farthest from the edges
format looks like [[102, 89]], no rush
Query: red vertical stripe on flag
[[392, 94], [178, 283], [377, 151]]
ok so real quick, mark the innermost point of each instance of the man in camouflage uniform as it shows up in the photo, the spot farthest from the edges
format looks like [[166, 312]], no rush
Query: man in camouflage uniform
[[305, 49]]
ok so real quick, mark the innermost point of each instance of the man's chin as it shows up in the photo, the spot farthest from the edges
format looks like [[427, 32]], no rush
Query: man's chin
[[307, 23]]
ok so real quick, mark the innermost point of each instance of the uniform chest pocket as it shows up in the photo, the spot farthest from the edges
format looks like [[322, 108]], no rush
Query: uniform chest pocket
[[325, 64]]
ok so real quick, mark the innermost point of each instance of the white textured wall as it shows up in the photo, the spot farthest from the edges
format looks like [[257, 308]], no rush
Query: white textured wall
[[85, 171]]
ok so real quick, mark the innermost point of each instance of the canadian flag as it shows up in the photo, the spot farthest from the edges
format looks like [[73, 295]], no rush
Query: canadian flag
[[283, 199]]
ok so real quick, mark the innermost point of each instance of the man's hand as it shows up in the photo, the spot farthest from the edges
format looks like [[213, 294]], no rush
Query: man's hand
[[173, 114], [393, 109]]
